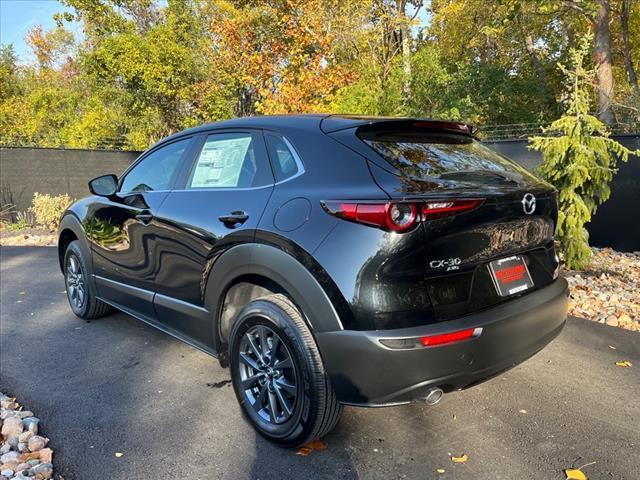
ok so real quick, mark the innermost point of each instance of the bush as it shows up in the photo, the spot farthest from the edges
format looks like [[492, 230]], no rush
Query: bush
[[580, 160], [48, 209], [22, 222]]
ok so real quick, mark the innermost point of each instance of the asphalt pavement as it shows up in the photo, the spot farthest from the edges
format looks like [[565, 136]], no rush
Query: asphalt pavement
[[117, 385]]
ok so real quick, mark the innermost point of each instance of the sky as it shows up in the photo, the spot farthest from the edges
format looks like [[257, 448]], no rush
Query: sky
[[18, 16]]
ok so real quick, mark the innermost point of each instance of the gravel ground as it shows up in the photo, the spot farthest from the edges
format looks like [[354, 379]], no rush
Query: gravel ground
[[123, 401], [23, 453], [608, 291], [34, 236]]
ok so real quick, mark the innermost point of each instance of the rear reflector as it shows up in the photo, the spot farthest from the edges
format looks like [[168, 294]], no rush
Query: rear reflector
[[447, 337], [431, 340], [398, 216]]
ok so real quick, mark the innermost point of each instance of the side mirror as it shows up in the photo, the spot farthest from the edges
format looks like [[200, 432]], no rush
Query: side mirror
[[105, 185]]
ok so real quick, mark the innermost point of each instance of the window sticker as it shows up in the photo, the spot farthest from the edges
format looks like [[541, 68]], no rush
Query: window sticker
[[220, 163]]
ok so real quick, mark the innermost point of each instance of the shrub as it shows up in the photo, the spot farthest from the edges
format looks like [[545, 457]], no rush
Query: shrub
[[580, 160], [48, 209]]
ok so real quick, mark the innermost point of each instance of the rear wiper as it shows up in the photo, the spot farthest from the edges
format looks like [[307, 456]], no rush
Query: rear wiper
[[511, 177]]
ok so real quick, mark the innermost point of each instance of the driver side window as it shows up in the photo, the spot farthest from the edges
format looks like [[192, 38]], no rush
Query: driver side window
[[155, 171]]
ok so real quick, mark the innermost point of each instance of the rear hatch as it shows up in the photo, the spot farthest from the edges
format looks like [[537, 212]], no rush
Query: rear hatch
[[492, 221]]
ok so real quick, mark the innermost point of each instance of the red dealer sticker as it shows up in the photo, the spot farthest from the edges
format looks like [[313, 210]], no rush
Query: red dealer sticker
[[510, 275]]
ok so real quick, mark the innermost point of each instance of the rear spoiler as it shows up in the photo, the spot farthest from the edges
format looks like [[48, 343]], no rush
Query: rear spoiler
[[334, 123]]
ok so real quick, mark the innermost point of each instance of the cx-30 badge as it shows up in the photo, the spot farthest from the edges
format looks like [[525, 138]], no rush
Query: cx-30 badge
[[529, 203]]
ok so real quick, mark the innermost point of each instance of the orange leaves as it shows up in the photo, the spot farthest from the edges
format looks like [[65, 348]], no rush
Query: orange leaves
[[317, 445], [282, 56]]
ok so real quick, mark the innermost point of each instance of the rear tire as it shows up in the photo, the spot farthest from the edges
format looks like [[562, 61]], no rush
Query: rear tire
[[80, 291], [291, 405]]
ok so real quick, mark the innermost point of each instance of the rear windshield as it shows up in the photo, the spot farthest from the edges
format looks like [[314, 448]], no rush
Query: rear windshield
[[442, 155]]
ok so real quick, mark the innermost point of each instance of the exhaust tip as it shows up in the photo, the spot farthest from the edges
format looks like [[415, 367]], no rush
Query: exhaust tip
[[433, 396]]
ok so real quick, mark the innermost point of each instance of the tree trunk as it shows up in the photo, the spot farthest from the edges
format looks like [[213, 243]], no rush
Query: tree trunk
[[535, 61], [602, 57], [624, 20]]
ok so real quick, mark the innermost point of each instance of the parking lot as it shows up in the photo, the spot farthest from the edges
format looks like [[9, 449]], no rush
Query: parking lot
[[117, 385]]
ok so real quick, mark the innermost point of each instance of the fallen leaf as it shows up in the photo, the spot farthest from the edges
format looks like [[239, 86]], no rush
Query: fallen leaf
[[440, 470], [460, 459], [119, 454], [22, 293], [316, 444], [612, 347], [624, 363], [522, 411], [575, 474]]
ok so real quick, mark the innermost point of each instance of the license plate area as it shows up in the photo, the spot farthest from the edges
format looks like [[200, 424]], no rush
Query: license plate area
[[510, 275]]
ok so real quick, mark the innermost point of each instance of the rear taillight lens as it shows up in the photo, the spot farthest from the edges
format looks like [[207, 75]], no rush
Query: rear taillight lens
[[401, 216], [433, 209], [431, 340], [397, 217]]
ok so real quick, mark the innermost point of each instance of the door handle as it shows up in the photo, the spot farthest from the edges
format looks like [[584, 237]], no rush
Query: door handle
[[234, 218], [144, 217]]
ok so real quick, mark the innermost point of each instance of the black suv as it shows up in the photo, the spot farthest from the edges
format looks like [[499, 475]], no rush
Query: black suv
[[327, 260]]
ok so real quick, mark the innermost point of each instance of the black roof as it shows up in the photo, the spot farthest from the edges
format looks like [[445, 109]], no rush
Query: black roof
[[327, 122]]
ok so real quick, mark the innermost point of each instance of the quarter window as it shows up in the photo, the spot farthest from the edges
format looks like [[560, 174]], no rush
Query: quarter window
[[282, 157], [155, 171], [229, 160]]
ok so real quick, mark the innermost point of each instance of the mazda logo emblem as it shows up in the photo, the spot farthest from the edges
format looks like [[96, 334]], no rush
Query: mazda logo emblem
[[529, 203]]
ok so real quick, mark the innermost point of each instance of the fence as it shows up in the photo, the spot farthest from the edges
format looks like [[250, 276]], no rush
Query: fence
[[24, 171], [615, 223], [56, 171]]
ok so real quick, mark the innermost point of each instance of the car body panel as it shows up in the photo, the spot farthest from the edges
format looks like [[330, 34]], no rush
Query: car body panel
[[353, 283]]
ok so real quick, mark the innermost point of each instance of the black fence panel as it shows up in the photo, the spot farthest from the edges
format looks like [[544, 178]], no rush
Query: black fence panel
[[24, 171], [616, 223]]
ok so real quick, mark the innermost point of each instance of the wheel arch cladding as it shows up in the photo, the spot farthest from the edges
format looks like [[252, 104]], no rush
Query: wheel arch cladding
[[71, 229], [268, 262]]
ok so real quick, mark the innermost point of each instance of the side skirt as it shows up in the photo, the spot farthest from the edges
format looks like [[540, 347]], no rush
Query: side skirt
[[162, 327]]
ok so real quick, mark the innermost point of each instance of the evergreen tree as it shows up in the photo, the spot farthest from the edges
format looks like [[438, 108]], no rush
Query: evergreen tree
[[579, 159]]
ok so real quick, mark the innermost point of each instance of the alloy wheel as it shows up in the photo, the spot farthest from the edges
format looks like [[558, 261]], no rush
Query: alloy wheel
[[75, 282], [268, 375]]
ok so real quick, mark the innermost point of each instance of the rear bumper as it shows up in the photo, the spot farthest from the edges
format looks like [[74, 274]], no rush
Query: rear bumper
[[364, 372]]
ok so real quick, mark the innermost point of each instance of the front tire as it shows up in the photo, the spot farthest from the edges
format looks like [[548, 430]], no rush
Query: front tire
[[278, 375], [80, 291]]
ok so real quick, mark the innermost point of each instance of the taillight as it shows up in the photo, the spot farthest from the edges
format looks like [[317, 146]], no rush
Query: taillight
[[433, 209], [400, 216], [397, 217], [431, 340]]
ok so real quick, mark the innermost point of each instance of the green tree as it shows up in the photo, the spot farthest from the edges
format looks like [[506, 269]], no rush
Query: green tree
[[579, 160]]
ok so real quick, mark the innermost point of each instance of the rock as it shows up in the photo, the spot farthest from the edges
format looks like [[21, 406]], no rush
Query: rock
[[612, 321], [34, 462], [624, 318], [45, 455], [8, 403], [9, 457], [22, 466], [25, 414], [5, 448], [44, 470], [7, 473], [22, 447], [31, 424], [12, 426], [13, 442], [24, 437], [37, 443]]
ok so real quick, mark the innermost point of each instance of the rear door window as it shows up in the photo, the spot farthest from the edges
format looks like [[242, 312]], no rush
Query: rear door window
[[230, 160], [442, 155]]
